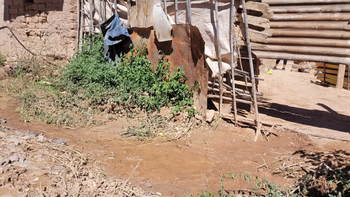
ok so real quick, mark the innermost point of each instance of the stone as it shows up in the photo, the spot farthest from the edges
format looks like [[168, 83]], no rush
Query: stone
[[60, 141], [14, 158], [30, 132], [210, 115], [18, 142], [4, 161], [42, 139], [21, 159], [3, 169], [198, 117], [58, 168], [148, 184], [14, 150], [25, 164], [25, 137], [18, 132], [2, 120], [8, 128]]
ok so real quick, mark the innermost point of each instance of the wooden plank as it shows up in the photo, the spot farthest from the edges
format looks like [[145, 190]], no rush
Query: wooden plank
[[259, 7], [310, 8], [332, 82], [255, 36], [312, 17], [309, 42], [330, 71], [336, 25], [238, 100], [314, 33], [286, 2], [303, 49], [340, 76], [293, 56], [331, 77], [256, 21]]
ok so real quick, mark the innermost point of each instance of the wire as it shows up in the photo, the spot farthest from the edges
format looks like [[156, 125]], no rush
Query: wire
[[3, 27]]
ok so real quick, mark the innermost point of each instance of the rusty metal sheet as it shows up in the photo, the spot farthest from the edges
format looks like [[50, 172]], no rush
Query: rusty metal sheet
[[185, 51]]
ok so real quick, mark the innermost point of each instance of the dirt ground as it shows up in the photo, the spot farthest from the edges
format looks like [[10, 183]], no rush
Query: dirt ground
[[197, 163], [300, 104]]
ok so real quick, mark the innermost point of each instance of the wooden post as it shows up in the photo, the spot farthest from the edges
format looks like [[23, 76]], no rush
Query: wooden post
[[324, 73], [176, 14], [340, 76], [103, 10], [257, 118], [91, 25], [81, 24], [218, 53], [129, 6], [188, 2], [115, 6], [234, 102], [165, 10], [349, 77], [144, 11], [137, 14]]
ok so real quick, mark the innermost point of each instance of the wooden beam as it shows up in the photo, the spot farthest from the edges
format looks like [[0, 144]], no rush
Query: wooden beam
[[336, 25], [247, 120], [303, 1], [312, 17], [256, 21], [312, 33], [340, 76], [311, 8], [259, 7], [310, 42], [329, 71], [332, 82], [294, 56], [331, 77], [303, 49], [237, 89], [237, 100]]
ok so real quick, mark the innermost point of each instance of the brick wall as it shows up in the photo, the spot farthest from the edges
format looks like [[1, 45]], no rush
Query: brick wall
[[48, 27]]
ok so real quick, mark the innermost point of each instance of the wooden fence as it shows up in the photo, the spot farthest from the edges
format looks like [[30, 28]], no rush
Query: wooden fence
[[313, 30]]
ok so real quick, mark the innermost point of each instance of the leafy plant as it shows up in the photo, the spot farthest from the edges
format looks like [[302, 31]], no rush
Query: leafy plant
[[340, 183], [133, 82], [2, 60], [85, 86]]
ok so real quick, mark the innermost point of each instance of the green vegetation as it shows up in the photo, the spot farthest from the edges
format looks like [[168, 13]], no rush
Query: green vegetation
[[337, 184], [2, 60], [132, 82], [75, 94]]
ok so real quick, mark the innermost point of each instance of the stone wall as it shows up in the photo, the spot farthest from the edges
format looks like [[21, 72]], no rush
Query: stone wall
[[47, 27]]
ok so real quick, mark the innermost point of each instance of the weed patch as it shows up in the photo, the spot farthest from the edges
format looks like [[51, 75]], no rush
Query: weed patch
[[2, 60], [76, 94]]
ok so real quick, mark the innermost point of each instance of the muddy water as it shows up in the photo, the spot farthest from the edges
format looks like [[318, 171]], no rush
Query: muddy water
[[174, 169]]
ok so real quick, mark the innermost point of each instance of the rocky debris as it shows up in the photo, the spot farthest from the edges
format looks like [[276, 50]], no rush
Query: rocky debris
[[148, 184], [304, 67], [14, 158], [210, 115], [60, 141], [26, 159], [2, 120]]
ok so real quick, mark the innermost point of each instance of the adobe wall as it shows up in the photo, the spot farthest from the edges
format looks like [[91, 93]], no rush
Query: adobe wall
[[47, 27]]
